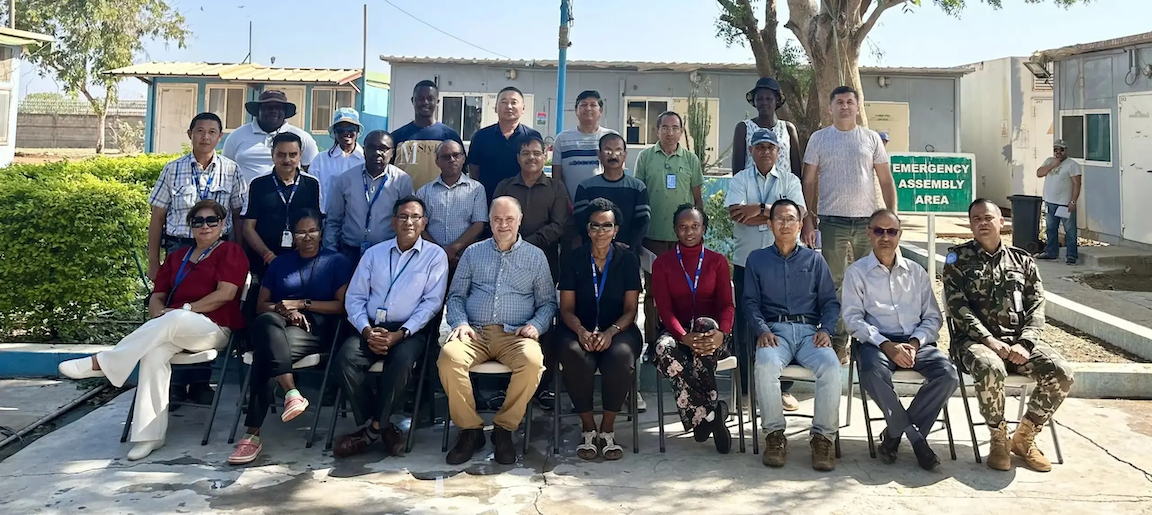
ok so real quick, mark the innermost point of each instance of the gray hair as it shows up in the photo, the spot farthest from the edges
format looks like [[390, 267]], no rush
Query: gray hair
[[506, 199]]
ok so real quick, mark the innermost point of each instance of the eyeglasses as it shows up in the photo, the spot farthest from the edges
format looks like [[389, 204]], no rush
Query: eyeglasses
[[880, 231], [670, 128], [313, 233], [409, 218], [451, 157], [201, 221], [601, 227], [786, 220], [1059, 149], [345, 130], [531, 153], [612, 152]]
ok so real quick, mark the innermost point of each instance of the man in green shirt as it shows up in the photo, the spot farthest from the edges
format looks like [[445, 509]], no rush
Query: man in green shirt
[[674, 177]]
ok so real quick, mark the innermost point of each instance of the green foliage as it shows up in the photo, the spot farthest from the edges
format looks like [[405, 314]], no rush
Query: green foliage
[[719, 237], [67, 231]]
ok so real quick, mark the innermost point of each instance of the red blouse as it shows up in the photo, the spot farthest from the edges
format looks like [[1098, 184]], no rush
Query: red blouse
[[673, 294], [227, 263]]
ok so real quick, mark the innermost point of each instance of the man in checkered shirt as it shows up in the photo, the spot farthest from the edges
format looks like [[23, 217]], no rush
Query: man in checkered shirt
[[200, 175]]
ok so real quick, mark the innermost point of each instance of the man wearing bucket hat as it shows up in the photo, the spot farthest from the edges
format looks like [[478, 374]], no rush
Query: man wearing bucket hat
[[766, 98], [250, 146], [345, 153], [750, 193]]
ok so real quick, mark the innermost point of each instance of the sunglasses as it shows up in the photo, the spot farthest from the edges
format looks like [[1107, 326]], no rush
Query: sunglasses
[[880, 231], [601, 227], [344, 130], [201, 221]]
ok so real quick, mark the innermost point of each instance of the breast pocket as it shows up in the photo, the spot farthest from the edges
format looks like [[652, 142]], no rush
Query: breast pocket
[[185, 197]]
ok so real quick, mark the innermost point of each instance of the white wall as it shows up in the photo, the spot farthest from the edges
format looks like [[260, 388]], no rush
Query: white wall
[[8, 151]]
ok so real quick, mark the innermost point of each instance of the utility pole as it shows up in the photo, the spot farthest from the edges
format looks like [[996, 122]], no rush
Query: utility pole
[[11, 14], [562, 74]]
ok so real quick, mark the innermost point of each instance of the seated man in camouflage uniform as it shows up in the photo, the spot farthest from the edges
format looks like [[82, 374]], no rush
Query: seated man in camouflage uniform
[[994, 297]]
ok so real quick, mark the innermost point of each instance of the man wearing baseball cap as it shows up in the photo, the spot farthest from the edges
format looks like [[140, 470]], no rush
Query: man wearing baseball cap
[[1062, 178], [751, 192], [345, 153], [250, 146]]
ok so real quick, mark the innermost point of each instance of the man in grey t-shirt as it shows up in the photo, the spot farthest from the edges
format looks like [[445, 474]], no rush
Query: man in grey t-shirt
[[840, 165], [1062, 178], [577, 147]]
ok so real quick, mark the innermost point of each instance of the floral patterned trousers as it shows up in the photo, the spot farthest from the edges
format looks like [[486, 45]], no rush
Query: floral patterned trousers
[[693, 378]]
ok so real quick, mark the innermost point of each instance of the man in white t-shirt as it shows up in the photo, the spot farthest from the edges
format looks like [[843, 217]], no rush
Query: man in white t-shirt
[[574, 157], [250, 146], [1062, 178], [840, 165]]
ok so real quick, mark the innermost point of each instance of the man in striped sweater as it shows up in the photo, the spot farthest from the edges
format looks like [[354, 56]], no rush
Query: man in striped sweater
[[627, 192]]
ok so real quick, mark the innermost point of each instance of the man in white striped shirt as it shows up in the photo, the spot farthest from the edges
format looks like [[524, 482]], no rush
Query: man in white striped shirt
[[889, 306]]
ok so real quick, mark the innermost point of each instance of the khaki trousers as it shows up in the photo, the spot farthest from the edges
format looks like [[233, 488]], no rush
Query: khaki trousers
[[522, 355]]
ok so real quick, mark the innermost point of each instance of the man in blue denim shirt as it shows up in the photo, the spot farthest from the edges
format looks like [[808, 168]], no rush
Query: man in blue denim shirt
[[790, 301]]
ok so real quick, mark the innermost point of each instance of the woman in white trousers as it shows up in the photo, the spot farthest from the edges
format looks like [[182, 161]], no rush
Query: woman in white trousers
[[194, 307]]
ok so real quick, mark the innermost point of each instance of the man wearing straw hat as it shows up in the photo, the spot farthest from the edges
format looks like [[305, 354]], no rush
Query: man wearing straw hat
[[250, 146]]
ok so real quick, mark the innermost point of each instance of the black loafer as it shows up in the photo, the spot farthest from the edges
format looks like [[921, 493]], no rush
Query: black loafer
[[505, 453], [720, 435], [925, 456], [888, 446], [467, 443]]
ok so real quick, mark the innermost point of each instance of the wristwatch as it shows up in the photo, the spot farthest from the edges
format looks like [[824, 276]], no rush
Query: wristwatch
[[187, 306], [762, 208], [405, 332], [307, 304]]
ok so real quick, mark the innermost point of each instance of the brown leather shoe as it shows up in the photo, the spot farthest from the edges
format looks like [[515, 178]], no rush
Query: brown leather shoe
[[467, 443], [352, 444], [823, 457], [393, 440], [505, 453]]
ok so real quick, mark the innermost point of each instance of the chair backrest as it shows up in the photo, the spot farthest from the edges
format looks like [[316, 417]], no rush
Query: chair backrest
[[244, 291]]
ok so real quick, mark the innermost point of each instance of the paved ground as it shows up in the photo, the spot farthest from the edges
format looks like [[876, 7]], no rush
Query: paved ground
[[82, 467], [24, 401]]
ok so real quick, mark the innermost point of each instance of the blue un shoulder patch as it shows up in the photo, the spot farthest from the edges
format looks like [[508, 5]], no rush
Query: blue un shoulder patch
[[951, 258]]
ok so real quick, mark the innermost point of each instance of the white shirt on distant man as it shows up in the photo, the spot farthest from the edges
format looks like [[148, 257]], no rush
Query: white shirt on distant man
[[251, 148]]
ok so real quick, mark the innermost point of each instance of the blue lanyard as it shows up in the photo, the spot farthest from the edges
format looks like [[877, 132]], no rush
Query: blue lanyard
[[598, 288], [183, 272], [203, 193], [394, 278], [764, 195], [287, 201], [699, 266], [372, 202]]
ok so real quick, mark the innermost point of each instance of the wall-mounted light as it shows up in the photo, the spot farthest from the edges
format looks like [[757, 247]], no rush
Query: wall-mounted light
[[510, 74], [883, 81]]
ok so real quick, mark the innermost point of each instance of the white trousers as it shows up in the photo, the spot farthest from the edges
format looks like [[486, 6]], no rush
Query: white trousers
[[152, 346]]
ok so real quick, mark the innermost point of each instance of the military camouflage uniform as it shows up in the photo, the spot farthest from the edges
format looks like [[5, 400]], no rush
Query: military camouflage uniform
[[999, 294]]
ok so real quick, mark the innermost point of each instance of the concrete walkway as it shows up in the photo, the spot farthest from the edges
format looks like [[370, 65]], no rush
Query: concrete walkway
[[82, 467]]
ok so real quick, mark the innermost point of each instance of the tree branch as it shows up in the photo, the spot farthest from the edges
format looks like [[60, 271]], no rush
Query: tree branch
[[866, 27]]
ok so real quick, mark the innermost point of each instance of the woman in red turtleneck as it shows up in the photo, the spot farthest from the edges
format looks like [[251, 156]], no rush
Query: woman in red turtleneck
[[693, 292]]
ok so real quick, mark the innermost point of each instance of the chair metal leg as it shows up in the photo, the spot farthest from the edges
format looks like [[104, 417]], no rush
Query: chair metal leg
[[948, 431], [1023, 401], [852, 367], [416, 402], [660, 407], [528, 427], [1056, 441], [219, 389], [867, 419], [752, 399], [308, 440], [635, 409], [444, 446], [336, 408], [738, 397], [556, 410], [837, 444], [128, 421], [239, 404], [968, 413]]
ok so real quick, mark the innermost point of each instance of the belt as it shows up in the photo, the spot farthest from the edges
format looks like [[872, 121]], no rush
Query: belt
[[798, 319]]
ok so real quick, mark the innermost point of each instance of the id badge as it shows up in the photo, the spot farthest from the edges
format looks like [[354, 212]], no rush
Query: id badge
[[670, 181], [381, 316], [763, 227], [1018, 301], [286, 239]]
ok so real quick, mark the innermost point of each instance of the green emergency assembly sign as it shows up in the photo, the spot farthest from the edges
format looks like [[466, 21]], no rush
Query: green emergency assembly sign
[[936, 183]]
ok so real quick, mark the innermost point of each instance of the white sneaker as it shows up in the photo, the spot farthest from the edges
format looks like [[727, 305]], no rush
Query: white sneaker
[[641, 406], [142, 449], [79, 368]]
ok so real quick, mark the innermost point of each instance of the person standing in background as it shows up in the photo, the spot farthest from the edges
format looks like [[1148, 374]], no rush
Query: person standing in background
[[345, 153], [416, 142], [250, 146], [578, 147], [766, 98], [1062, 179], [360, 213], [495, 149]]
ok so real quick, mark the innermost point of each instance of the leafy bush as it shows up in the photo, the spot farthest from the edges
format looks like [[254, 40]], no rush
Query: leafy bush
[[719, 236], [67, 232]]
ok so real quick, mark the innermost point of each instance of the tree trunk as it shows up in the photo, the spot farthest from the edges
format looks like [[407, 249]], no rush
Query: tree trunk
[[103, 122]]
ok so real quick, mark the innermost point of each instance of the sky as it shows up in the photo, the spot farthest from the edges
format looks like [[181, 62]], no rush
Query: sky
[[329, 34]]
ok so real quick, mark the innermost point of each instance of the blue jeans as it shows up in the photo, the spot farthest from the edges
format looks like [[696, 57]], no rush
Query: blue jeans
[[1053, 222], [795, 343]]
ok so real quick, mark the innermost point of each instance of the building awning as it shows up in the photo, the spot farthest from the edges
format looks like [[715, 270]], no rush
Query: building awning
[[1065, 52], [651, 66], [242, 72], [14, 37]]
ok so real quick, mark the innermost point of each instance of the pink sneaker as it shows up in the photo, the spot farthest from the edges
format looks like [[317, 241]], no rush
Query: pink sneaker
[[294, 405], [247, 449]]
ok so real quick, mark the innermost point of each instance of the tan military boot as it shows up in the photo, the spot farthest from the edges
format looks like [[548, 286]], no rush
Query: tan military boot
[[1024, 446], [998, 457]]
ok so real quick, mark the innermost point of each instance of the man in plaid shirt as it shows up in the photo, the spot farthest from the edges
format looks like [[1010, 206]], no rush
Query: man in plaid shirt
[[200, 175]]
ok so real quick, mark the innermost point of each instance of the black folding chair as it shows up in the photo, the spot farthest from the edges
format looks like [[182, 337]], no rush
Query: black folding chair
[[729, 365], [898, 377], [200, 361]]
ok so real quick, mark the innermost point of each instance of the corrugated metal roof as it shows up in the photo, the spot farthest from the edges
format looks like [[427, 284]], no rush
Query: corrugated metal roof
[[23, 37], [645, 66], [1108, 44], [243, 72]]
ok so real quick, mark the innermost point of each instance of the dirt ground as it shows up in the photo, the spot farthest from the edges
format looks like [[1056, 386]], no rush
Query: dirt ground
[[1119, 280], [50, 155]]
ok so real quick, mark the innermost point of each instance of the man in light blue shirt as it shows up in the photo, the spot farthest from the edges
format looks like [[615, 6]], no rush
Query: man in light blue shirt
[[890, 308], [360, 208], [501, 300], [791, 304], [397, 289], [750, 193]]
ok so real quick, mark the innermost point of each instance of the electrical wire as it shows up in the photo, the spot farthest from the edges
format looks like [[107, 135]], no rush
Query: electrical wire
[[437, 29]]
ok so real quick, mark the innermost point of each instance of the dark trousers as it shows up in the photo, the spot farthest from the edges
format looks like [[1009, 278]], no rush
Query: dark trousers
[[617, 363], [917, 420], [355, 358], [275, 347], [743, 337], [351, 252]]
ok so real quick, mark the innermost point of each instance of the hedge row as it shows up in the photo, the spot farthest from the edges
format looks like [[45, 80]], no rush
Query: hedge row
[[67, 232]]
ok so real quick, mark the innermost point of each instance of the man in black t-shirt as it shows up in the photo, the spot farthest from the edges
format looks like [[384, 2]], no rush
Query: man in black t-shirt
[[273, 199]]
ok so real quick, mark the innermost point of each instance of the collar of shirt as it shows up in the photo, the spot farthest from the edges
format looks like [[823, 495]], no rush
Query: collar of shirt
[[395, 244], [464, 179], [387, 173], [515, 246], [871, 261], [795, 252], [680, 150], [212, 165], [542, 180], [519, 130]]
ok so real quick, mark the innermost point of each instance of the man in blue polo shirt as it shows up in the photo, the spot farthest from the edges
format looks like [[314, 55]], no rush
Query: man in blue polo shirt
[[492, 154]]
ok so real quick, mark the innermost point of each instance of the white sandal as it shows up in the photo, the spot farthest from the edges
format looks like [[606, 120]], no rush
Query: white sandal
[[611, 450], [587, 450]]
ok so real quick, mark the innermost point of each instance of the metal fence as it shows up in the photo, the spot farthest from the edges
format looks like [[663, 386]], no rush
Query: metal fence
[[80, 107]]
